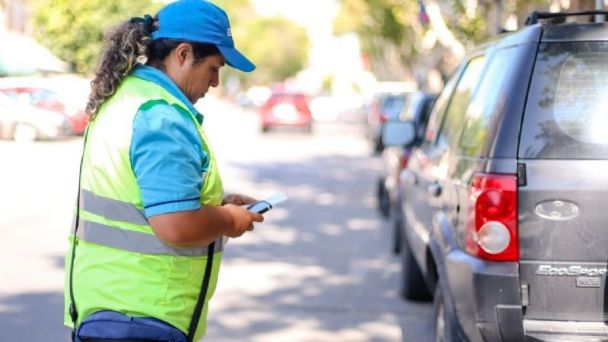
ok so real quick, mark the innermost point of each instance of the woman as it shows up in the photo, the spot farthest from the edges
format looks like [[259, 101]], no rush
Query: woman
[[151, 215]]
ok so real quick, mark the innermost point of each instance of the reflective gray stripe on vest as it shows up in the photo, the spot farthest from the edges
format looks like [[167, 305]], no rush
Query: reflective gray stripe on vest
[[135, 241], [111, 209]]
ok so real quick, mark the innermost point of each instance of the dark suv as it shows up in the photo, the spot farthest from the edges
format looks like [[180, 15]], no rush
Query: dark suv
[[503, 203], [395, 158]]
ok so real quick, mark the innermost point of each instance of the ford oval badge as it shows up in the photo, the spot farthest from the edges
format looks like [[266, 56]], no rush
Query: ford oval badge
[[556, 210]]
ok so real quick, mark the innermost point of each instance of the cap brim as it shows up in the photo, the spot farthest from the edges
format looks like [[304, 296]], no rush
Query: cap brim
[[236, 59]]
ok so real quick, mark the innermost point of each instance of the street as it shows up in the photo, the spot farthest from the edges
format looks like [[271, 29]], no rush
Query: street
[[318, 269]]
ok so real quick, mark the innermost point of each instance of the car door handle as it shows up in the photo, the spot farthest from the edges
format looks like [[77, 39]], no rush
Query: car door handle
[[434, 190]]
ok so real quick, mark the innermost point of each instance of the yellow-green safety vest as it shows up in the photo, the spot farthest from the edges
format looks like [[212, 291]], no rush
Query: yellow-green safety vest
[[120, 264]]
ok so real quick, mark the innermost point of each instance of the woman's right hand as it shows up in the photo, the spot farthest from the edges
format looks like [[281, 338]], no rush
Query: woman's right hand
[[243, 220]]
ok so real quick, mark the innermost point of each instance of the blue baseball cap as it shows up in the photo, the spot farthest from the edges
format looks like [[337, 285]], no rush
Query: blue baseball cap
[[201, 21]]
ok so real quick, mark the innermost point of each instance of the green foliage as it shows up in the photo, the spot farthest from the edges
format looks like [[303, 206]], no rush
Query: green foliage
[[380, 24], [74, 30], [239, 12], [277, 46], [327, 83], [394, 25], [470, 27]]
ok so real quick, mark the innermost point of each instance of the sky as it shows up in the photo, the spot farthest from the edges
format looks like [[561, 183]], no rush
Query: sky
[[316, 15]]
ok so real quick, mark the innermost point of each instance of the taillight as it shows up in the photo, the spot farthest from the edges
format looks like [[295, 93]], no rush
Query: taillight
[[403, 159], [491, 231], [382, 118]]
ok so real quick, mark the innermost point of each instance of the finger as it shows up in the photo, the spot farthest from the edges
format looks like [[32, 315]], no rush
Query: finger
[[248, 200], [258, 217]]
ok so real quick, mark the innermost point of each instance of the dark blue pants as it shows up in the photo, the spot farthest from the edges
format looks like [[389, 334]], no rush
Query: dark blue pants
[[113, 326]]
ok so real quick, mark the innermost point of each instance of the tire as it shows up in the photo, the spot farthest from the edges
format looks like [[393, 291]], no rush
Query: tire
[[382, 198], [265, 129], [24, 133], [445, 329], [308, 129], [413, 284], [397, 233], [378, 146]]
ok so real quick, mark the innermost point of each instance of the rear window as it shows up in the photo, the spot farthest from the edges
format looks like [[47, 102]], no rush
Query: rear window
[[393, 105], [566, 115]]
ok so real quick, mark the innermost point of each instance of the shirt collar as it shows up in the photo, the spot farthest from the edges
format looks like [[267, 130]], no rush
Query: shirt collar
[[158, 77]]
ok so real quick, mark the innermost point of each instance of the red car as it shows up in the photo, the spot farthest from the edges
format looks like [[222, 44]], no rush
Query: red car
[[287, 110]]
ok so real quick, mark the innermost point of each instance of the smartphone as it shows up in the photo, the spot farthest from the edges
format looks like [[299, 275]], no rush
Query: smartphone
[[263, 206], [260, 207]]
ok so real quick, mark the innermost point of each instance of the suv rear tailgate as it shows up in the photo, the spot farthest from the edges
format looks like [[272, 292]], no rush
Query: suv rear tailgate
[[563, 235], [563, 195]]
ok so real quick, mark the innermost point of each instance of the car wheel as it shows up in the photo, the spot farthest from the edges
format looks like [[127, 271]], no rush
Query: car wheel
[[439, 312], [24, 133], [308, 129], [382, 197], [378, 146], [396, 248], [445, 329], [265, 129], [413, 284]]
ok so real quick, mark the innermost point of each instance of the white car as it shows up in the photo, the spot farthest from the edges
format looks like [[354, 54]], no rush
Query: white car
[[22, 122]]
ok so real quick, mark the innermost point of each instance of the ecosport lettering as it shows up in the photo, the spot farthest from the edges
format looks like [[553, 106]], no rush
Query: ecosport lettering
[[574, 271]]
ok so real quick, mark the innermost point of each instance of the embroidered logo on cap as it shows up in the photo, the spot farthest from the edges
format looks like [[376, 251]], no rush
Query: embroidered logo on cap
[[229, 33]]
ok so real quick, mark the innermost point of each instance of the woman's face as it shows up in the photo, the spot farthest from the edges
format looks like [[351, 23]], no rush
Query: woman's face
[[198, 77]]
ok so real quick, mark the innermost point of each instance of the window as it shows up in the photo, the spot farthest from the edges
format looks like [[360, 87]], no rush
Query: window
[[393, 105], [451, 128], [486, 103], [440, 107], [566, 111]]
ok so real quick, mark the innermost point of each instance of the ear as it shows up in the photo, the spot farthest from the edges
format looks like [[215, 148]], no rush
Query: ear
[[183, 52]]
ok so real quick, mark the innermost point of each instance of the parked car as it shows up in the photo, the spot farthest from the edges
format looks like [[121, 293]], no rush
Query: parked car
[[385, 105], [40, 95], [395, 159], [22, 122], [503, 202], [286, 110]]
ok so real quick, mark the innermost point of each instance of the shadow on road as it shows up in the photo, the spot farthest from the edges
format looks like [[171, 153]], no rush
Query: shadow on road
[[33, 317], [320, 263]]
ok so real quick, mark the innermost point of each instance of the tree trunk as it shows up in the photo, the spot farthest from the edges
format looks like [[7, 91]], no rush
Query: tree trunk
[[582, 5]]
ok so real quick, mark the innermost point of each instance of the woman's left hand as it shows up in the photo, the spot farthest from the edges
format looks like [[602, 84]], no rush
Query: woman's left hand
[[238, 199]]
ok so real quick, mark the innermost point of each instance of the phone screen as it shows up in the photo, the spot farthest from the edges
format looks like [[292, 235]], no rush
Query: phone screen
[[260, 207]]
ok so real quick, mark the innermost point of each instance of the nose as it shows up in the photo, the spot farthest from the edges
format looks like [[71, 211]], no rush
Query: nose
[[215, 81]]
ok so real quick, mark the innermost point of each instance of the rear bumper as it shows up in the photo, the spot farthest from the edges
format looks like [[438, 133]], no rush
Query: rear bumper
[[566, 331], [486, 297], [271, 121]]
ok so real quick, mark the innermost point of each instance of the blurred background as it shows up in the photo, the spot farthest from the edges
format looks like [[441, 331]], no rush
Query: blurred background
[[306, 122]]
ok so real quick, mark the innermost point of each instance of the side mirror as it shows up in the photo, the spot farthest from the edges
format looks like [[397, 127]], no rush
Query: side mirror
[[398, 133]]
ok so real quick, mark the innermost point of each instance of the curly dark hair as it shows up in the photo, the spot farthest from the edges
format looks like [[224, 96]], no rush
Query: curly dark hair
[[127, 45]]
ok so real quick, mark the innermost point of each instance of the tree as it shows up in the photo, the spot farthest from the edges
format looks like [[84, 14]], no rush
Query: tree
[[74, 30], [386, 30], [418, 38], [278, 47]]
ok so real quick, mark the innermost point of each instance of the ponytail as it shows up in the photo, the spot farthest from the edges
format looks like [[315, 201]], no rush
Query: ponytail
[[125, 46]]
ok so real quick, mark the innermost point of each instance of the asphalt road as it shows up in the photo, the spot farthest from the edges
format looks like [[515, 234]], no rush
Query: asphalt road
[[318, 268]]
